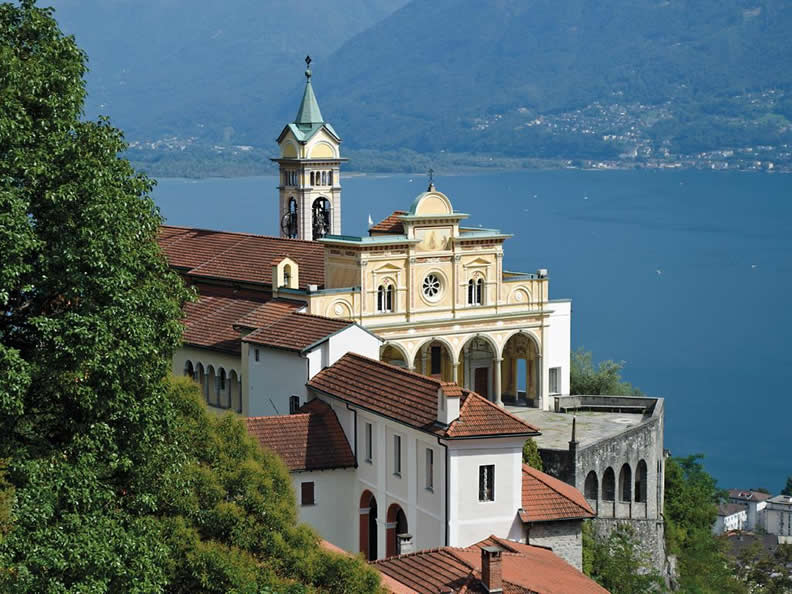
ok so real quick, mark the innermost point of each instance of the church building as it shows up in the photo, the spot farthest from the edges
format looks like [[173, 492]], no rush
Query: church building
[[395, 372]]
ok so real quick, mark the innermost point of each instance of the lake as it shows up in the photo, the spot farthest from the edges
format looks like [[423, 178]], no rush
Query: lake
[[684, 275]]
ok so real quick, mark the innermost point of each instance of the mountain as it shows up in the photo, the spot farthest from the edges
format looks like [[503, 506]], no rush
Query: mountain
[[215, 70], [544, 79], [450, 74]]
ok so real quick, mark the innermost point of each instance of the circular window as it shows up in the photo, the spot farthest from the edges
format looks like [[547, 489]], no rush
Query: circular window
[[431, 287]]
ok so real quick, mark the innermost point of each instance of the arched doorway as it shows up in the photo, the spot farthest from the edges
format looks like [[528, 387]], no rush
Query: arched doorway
[[394, 354], [397, 525], [368, 525], [435, 359], [481, 368], [522, 365], [591, 487], [609, 485], [640, 482], [625, 483]]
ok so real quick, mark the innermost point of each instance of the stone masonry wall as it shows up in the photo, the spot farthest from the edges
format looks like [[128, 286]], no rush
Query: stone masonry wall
[[564, 537]]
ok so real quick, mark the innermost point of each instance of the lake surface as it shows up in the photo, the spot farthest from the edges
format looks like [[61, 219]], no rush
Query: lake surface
[[684, 275]]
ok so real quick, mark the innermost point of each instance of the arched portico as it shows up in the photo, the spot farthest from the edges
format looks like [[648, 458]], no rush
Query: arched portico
[[481, 367], [368, 525], [522, 349], [394, 353], [397, 525], [436, 358]]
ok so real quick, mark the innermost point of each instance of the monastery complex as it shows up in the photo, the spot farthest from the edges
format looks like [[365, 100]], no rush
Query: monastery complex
[[399, 375]]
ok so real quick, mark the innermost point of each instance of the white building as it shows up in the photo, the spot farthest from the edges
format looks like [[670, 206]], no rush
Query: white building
[[778, 516], [731, 516], [755, 502]]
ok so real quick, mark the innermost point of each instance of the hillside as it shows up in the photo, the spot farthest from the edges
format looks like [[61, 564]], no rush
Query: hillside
[[199, 68], [462, 74], [672, 82]]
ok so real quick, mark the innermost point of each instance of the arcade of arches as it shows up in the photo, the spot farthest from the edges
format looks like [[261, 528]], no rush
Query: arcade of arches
[[395, 527], [513, 373], [220, 388], [612, 499]]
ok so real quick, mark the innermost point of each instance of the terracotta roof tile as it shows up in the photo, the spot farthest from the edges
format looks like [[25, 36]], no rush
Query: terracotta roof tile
[[525, 568], [296, 331], [390, 225], [267, 313], [748, 495], [728, 509], [412, 398], [545, 498], [239, 256], [311, 439], [209, 322]]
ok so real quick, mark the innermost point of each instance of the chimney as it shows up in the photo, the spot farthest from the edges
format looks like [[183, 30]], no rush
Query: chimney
[[491, 569], [448, 395], [405, 543]]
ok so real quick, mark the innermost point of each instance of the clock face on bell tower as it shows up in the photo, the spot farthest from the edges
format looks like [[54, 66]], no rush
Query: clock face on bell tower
[[310, 170]]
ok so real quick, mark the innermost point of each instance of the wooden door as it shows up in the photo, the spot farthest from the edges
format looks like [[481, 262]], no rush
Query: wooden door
[[481, 381]]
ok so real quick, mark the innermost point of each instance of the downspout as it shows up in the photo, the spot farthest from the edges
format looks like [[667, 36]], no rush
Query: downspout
[[447, 490]]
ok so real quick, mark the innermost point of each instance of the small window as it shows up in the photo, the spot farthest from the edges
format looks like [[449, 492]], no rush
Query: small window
[[257, 354], [330, 178], [555, 380], [437, 360], [312, 178], [369, 443], [480, 291], [389, 298], [287, 276], [430, 469], [475, 291], [307, 493], [294, 404], [397, 455], [487, 483], [222, 379]]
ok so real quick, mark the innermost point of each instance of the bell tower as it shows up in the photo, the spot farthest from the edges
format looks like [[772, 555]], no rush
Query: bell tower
[[310, 172]]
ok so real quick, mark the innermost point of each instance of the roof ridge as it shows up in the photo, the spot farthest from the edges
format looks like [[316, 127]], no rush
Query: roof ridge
[[320, 317], [289, 416], [551, 486], [243, 234], [496, 407], [402, 370]]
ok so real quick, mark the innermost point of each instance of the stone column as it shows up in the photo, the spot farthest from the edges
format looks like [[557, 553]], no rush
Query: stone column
[[424, 358], [527, 379], [497, 382], [454, 370]]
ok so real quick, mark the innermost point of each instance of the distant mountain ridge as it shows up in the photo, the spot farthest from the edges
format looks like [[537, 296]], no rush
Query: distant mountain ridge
[[570, 79]]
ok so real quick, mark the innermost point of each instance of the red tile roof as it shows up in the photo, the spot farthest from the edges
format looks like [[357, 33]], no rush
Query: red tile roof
[[209, 322], [239, 256], [390, 225], [296, 331], [267, 313], [525, 568], [748, 495], [311, 439], [545, 498], [411, 398]]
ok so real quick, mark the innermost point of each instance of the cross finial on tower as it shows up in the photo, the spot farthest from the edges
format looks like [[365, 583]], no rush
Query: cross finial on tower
[[431, 179], [308, 66]]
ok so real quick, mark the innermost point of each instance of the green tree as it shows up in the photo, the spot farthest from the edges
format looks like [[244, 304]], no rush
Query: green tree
[[766, 572], [584, 378], [691, 498], [616, 562], [109, 493], [530, 454], [787, 490]]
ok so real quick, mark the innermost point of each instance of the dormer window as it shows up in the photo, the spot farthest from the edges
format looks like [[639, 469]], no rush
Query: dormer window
[[287, 275], [475, 291]]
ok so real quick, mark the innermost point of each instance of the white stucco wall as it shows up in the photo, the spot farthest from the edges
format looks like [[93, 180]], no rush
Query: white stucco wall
[[557, 346], [353, 340], [272, 379], [423, 508], [736, 521], [331, 516], [471, 520]]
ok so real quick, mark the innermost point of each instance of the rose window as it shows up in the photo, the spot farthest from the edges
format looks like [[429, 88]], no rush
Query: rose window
[[431, 286]]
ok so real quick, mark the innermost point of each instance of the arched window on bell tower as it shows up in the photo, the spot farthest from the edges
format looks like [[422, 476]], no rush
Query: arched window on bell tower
[[289, 220], [321, 217]]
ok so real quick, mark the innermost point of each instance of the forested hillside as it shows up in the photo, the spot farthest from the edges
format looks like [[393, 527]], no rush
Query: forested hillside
[[639, 80]]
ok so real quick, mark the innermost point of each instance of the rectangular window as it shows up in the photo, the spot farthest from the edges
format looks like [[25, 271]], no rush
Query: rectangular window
[[555, 380], [294, 404], [397, 455], [430, 469], [437, 358], [307, 494], [369, 443], [257, 354], [487, 483]]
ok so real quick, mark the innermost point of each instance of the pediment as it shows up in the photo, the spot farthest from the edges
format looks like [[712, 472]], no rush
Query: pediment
[[477, 263], [388, 267]]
